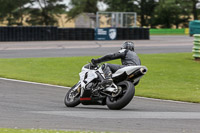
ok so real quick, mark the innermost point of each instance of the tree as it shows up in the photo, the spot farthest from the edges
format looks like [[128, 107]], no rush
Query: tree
[[13, 11], [46, 12], [82, 6], [120, 5], [144, 8], [171, 12], [194, 9], [192, 4], [146, 11]]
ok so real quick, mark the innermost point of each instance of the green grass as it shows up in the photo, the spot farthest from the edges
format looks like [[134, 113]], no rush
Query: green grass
[[7, 130], [173, 76], [167, 32]]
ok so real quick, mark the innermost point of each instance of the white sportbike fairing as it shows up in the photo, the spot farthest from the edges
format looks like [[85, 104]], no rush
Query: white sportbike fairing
[[89, 91], [131, 71]]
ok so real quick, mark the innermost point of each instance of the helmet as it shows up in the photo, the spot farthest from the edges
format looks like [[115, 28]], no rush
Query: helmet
[[128, 45]]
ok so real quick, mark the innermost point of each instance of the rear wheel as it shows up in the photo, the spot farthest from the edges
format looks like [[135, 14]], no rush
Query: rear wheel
[[72, 97], [127, 93]]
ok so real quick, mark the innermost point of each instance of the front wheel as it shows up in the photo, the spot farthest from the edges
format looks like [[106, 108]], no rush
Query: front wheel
[[123, 99], [72, 97]]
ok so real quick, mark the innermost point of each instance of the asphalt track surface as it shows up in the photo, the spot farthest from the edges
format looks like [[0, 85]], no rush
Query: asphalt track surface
[[157, 44], [27, 105]]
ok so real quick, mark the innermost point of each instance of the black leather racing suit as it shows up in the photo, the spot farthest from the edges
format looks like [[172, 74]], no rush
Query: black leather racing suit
[[128, 58]]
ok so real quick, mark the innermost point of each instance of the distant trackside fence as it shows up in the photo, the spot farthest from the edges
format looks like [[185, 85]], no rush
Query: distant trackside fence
[[48, 33]]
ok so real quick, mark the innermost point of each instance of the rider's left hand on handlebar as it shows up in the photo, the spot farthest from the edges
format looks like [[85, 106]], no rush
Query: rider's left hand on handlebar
[[94, 62]]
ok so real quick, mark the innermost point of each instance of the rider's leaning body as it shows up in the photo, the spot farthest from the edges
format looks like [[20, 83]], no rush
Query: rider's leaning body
[[128, 58]]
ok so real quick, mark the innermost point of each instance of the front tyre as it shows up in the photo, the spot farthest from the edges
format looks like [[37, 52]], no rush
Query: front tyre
[[72, 97], [119, 102]]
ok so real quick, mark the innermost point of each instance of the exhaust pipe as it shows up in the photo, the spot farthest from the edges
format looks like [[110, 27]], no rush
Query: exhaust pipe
[[138, 73], [143, 71]]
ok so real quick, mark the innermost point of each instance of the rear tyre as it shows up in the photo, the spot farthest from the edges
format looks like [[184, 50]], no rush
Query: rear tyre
[[119, 102], [72, 97]]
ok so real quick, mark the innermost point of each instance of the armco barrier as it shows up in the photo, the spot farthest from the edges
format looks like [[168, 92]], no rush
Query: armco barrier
[[47, 33], [75, 34], [132, 33], [122, 33], [36, 33], [196, 47]]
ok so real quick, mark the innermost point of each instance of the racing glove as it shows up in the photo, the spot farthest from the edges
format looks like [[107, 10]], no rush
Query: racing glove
[[94, 62]]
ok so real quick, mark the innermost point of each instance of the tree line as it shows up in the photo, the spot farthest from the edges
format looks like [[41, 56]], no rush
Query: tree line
[[33, 12], [151, 13]]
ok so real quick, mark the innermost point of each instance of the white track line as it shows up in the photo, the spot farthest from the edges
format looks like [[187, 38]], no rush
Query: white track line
[[123, 114], [162, 100], [35, 83]]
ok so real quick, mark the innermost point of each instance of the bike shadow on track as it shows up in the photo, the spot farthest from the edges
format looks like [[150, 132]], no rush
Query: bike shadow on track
[[102, 108]]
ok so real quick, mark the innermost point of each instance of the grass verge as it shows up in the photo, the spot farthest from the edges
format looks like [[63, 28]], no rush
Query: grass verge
[[172, 76], [168, 32]]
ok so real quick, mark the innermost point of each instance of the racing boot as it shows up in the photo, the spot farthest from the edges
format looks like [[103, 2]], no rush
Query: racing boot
[[108, 78]]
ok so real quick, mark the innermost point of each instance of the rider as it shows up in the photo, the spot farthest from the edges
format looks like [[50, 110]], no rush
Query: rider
[[128, 58]]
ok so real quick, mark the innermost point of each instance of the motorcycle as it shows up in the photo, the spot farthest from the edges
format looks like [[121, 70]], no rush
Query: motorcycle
[[89, 91]]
